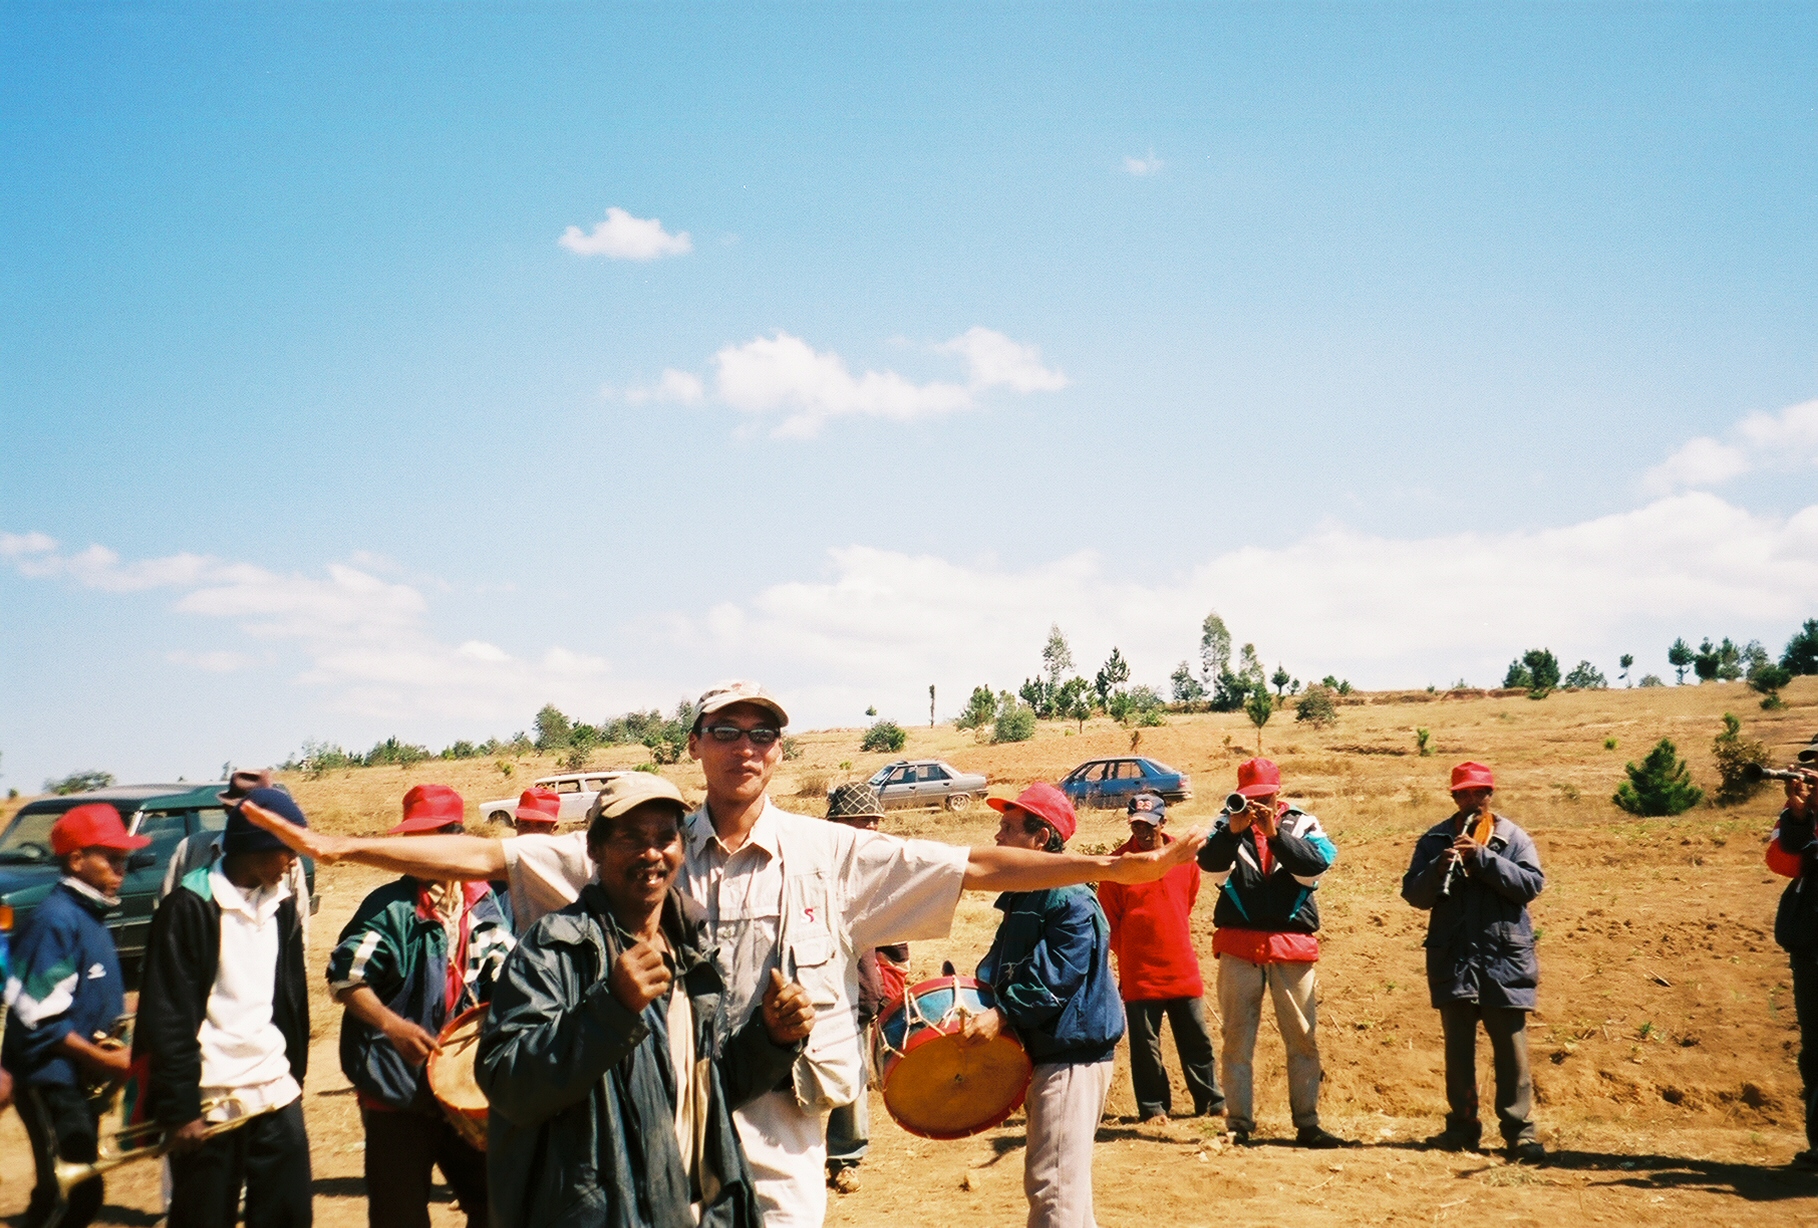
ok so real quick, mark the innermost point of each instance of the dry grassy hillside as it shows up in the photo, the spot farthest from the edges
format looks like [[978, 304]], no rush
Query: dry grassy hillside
[[1664, 1047]]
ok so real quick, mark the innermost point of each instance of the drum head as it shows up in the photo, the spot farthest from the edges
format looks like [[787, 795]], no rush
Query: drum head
[[451, 1071], [942, 1088]]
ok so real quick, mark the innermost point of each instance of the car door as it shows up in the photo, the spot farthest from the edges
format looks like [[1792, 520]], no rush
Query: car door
[[1087, 784], [1123, 779], [899, 788], [574, 806], [139, 893], [931, 786]]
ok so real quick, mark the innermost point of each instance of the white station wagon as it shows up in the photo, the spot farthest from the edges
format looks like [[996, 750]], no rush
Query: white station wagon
[[576, 789]]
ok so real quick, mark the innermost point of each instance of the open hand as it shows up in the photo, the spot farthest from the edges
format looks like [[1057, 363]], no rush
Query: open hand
[[1150, 866], [982, 1028], [788, 1011], [639, 977], [307, 841]]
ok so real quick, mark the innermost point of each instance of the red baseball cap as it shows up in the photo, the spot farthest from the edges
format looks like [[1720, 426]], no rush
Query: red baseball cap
[[1469, 775], [1258, 778], [93, 825], [536, 805], [430, 808], [1046, 803]]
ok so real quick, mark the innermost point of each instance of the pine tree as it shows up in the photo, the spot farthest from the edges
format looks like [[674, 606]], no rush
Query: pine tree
[[1661, 785]]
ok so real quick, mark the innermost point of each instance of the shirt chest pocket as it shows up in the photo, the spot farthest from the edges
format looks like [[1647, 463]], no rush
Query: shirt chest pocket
[[815, 969]]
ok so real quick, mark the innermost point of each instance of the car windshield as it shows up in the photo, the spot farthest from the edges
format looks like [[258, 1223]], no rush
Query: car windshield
[[882, 775], [28, 840]]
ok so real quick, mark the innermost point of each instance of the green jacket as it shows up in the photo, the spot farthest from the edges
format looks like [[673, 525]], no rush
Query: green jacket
[[581, 1128], [397, 946]]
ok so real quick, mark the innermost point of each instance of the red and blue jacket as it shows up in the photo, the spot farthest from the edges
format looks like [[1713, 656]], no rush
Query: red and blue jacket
[[1267, 912]]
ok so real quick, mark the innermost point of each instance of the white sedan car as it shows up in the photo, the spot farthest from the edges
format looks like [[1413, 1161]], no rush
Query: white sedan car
[[576, 789]]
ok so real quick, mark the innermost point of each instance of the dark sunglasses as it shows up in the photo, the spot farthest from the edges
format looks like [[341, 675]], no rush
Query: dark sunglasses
[[763, 735]]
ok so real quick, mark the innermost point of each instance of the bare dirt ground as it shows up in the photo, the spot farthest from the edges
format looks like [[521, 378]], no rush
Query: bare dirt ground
[[1664, 1048]]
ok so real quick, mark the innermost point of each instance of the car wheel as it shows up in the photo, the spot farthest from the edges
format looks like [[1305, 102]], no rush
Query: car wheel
[[959, 801]]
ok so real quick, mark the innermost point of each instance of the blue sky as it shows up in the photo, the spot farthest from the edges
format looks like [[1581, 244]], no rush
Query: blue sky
[[1408, 337]]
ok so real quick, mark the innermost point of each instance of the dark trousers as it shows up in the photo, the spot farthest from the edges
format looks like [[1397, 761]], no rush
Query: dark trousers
[[1805, 1006], [401, 1149], [269, 1155], [1187, 1016], [61, 1126], [1507, 1028]]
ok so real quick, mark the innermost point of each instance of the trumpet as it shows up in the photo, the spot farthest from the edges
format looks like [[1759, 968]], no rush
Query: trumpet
[[130, 1147], [1752, 772], [1236, 803]]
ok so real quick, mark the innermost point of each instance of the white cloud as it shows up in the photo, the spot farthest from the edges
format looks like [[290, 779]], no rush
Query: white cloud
[[784, 379], [362, 641], [998, 362], [624, 237], [1382, 611], [1143, 167], [1773, 442], [681, 387]]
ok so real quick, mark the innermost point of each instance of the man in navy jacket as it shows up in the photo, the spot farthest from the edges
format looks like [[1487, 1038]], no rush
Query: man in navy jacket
[[1476, 872], [1050, 970], [64, 993]]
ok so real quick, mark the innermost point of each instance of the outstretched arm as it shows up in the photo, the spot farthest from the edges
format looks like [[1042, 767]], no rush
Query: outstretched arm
[[436, 857], [999, 869]]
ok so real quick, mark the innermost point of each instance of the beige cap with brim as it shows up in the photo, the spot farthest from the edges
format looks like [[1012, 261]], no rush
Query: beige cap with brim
[[632, 790], [739, 691]]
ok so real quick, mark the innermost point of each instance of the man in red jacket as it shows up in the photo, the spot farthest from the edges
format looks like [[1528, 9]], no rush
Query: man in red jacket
[[1158, 972]]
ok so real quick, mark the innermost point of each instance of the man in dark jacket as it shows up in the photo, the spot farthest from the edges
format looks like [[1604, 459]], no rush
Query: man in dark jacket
[[1476, 872], [1793, 852], [64, 994], [1050, 969], [414, 955], [224, 1020], [881, 973], [1158, 971], [1267, 860], [605, 1057]]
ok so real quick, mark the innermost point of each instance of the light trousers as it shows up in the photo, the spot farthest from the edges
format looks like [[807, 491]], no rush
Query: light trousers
[[1064, 1105], [1292, 987]]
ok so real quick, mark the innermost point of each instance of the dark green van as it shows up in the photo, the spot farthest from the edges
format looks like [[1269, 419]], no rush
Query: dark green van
[[166, 813]]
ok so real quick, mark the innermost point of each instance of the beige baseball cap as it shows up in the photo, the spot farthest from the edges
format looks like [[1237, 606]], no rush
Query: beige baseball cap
[[633, 789], [739, 691]]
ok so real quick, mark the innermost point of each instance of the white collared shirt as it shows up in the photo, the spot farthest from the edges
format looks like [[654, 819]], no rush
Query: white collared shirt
[[243, 1051]]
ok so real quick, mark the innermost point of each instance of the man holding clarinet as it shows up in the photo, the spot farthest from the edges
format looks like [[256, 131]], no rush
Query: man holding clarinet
[[1476, 872]]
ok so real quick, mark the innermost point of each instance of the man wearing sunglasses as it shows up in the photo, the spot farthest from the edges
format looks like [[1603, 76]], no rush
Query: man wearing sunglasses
[[779, 891]]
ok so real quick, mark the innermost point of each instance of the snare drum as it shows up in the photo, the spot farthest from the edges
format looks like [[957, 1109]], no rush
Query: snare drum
[[451, 1081], [935, 1084]]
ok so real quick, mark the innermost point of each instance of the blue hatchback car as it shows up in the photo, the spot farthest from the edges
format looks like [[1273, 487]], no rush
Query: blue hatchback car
[[1100, 783]]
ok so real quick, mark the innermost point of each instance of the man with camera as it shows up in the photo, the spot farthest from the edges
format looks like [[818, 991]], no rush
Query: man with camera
[[1267, 858], [1793, 852]]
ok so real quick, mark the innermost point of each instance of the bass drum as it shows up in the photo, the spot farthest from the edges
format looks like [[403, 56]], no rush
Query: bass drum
[[451, 1080], [936, 1085]]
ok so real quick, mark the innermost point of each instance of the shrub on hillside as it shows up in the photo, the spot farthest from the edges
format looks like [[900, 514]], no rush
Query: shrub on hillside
[[1766, 679], [554, 729], [885, 736], [1660, 785], [1535, 671], [1801, 655], [1015, 721], [394, 753], [1586, 677], [1650, 680], [1734, 753], [1317, 707], [980, 710]]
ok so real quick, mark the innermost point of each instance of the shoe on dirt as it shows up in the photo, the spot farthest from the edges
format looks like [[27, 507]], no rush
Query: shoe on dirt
[[1319, 1139], [845, 1181], [1453, 1140], [1527, 1152]]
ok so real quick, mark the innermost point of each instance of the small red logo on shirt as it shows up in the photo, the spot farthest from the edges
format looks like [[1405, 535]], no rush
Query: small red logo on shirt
[[808, 912]]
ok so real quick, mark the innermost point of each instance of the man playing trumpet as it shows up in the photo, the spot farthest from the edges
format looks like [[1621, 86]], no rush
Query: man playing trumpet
[[1476, 872], [63, 991], [224, 1017]]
